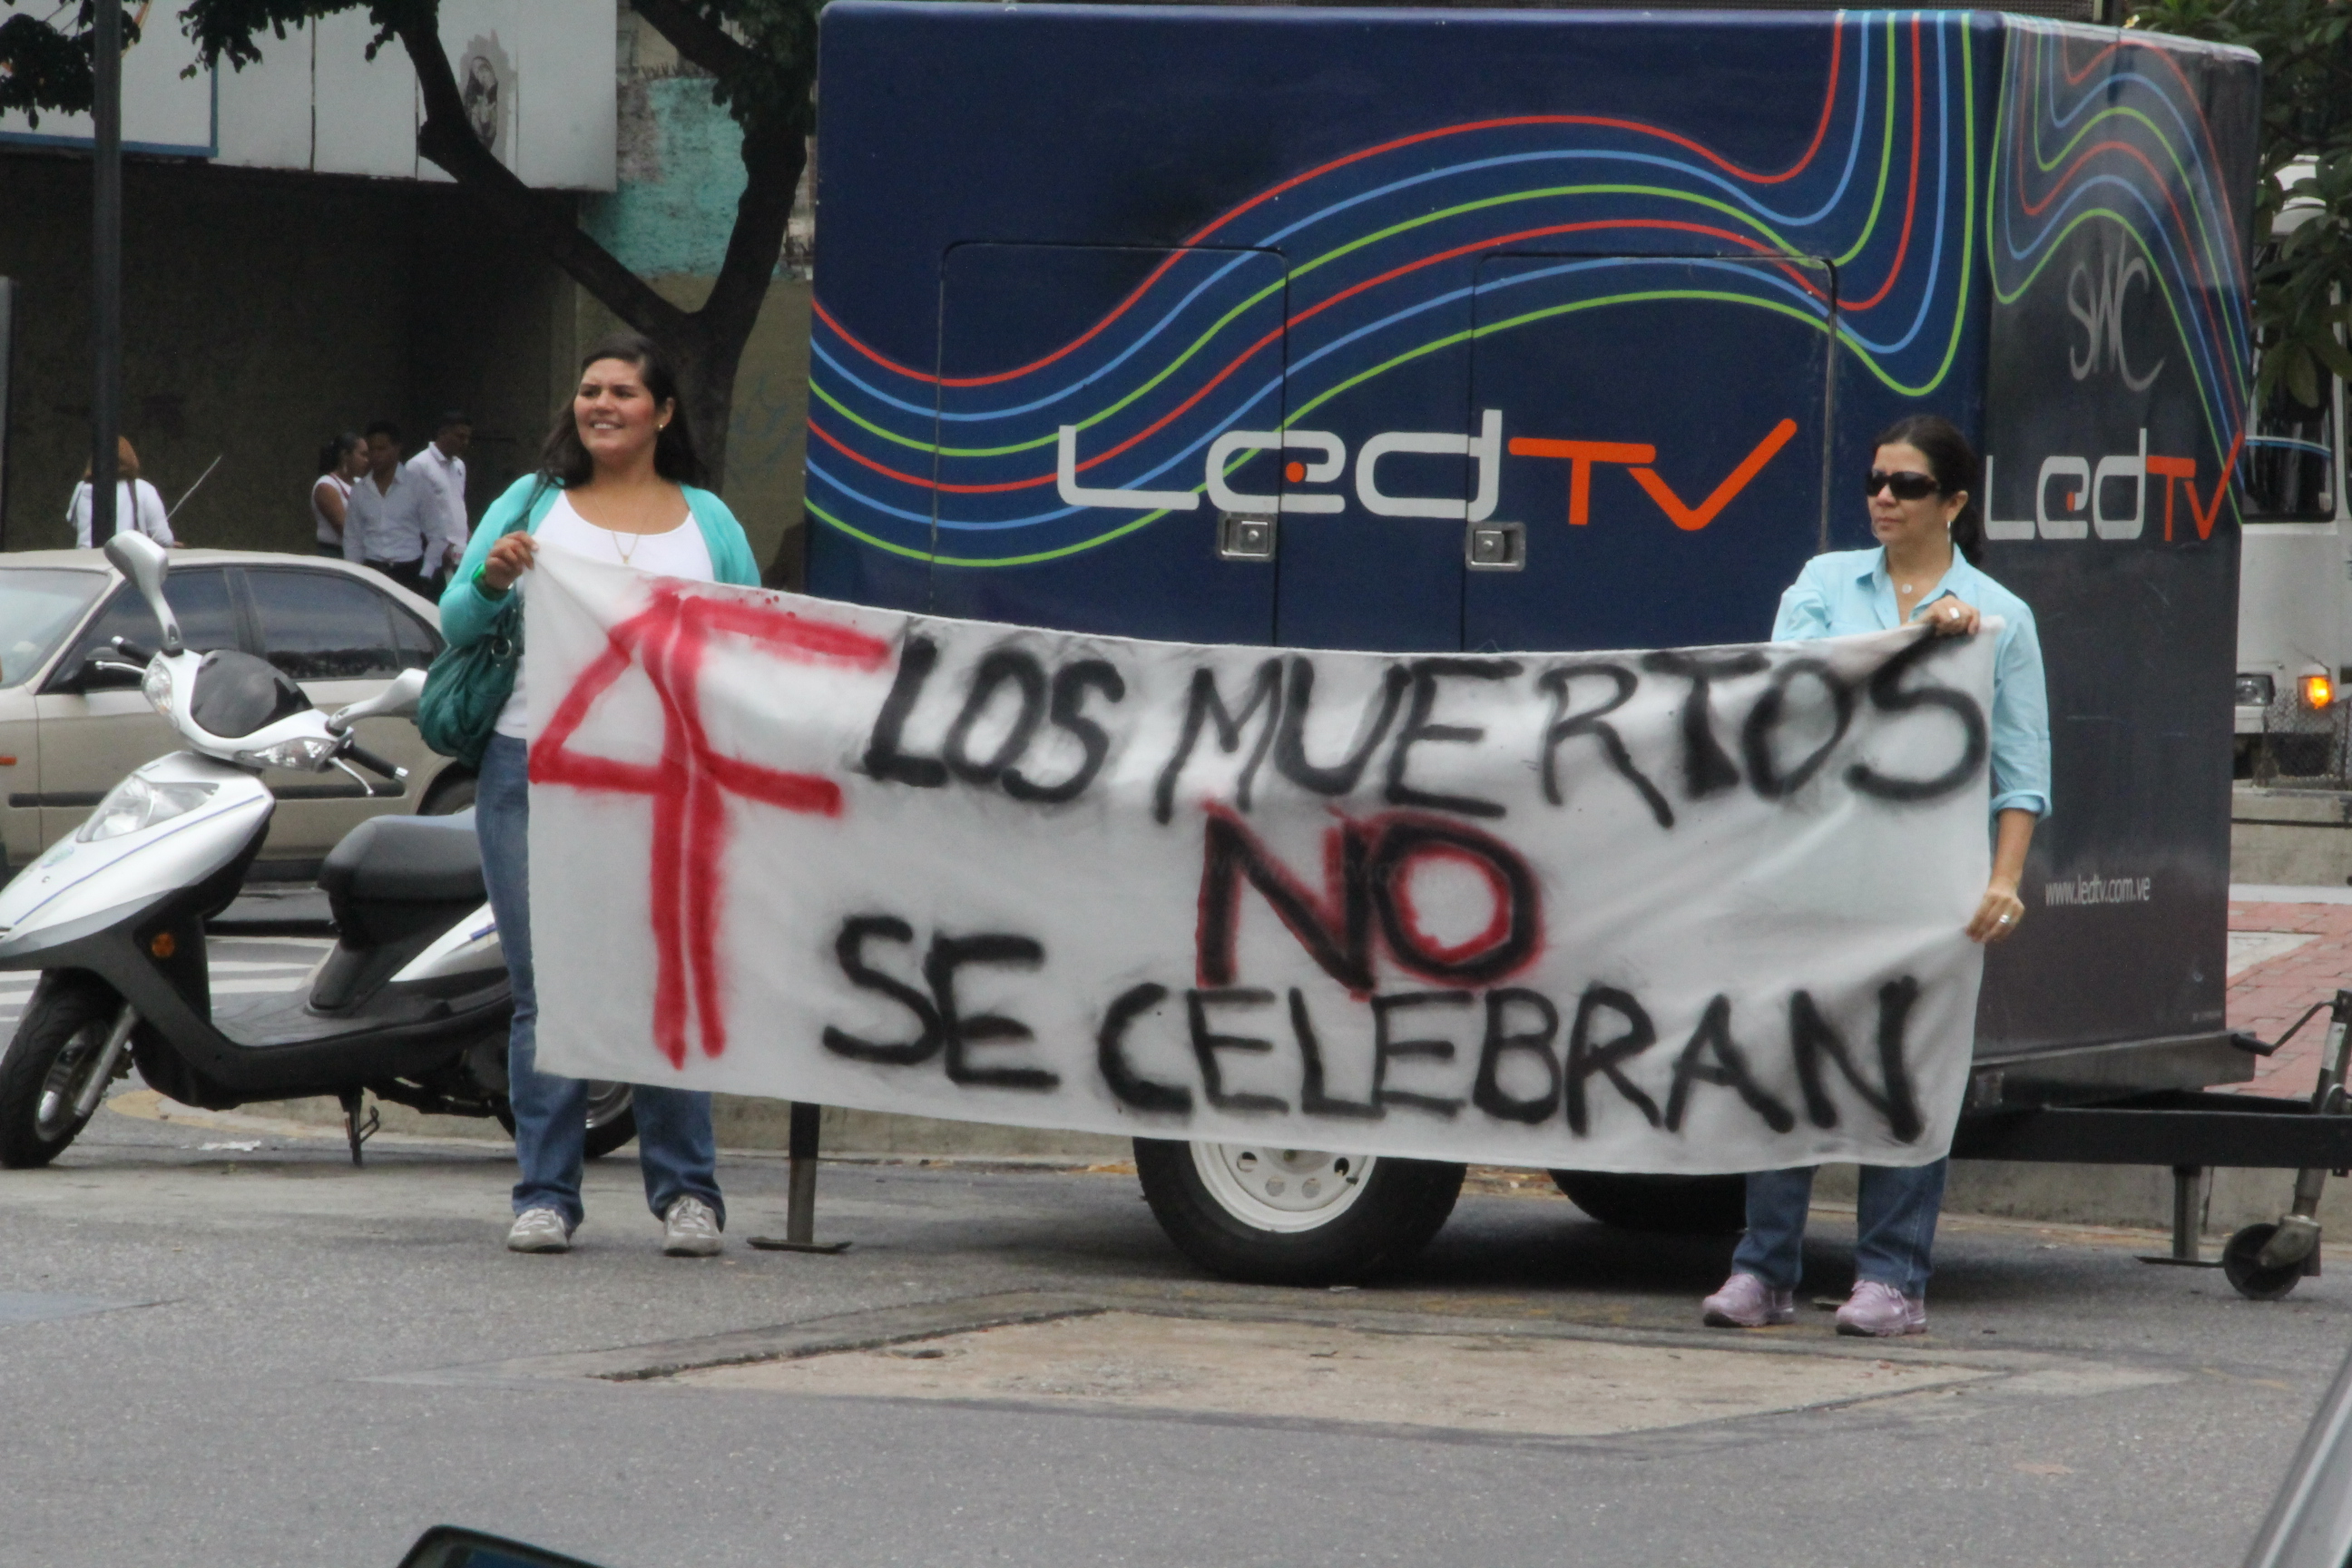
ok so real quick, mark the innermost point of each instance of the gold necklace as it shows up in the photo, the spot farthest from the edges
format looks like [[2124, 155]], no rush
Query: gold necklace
[[619, 535]]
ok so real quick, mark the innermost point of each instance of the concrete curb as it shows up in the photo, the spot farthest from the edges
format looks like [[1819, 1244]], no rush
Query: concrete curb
[[2136, 1197]]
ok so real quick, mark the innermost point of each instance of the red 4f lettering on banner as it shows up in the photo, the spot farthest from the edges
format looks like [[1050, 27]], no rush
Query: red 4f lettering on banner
[[691, 786]]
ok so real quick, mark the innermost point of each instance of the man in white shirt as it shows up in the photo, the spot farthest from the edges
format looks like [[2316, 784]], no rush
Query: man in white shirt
[[442, 464], [391, 512]]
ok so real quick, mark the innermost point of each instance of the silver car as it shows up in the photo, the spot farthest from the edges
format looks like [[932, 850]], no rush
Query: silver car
[[70, 728]]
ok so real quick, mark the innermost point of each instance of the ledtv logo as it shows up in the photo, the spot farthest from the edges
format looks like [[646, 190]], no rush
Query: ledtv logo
[[2082, 491], [1324, 458]]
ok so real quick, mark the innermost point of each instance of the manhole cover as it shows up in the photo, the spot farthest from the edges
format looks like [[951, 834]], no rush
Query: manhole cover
[[1487, 1382]]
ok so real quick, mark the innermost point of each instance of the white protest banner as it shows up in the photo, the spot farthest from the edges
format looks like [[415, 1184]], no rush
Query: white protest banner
[[1689, 910]]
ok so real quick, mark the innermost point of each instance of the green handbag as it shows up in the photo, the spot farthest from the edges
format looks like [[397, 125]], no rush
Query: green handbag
[[465, 687]]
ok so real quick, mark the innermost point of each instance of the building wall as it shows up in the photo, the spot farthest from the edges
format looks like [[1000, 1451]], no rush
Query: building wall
[[265, 310], [262, 312]]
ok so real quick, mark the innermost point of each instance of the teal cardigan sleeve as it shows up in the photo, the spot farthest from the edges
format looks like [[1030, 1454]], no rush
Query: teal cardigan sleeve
[[466, 611]]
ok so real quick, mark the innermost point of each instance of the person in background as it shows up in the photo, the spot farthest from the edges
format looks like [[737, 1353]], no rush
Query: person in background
[[137, 505], [1924, 572], [389, 512], [442, 464], [340, 463], [617, 482]]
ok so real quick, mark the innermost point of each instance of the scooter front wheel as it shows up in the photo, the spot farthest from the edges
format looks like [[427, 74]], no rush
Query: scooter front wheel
[[57, 1045]]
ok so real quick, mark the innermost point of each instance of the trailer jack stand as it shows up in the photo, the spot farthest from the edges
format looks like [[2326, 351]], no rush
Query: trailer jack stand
[[2188, 1187], [2265, 1262], [800, 1202]]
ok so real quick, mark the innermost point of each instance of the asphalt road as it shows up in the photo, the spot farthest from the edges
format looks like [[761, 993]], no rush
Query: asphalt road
[[257, 1356]]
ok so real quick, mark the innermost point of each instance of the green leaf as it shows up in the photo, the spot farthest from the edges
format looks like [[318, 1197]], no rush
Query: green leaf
[[2301, 376]]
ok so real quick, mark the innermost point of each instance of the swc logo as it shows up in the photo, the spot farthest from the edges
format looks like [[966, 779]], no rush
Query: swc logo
[[2099, 307], [1327, 460]]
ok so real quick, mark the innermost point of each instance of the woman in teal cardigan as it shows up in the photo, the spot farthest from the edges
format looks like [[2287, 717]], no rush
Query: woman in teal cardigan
[[615, 483]]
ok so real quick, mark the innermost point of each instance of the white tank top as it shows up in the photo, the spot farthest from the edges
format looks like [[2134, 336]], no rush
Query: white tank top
[[680, 553], [328, 532]]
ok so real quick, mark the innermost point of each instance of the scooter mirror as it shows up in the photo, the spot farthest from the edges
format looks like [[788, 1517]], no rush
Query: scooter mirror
[[398, 699], [144, 562]]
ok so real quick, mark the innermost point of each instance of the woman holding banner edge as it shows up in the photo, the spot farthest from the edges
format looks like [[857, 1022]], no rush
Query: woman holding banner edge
[[616, 483], [1931, 536]]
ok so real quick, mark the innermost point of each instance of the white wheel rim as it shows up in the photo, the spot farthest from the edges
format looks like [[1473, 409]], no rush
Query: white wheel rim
[[1281, 1190]]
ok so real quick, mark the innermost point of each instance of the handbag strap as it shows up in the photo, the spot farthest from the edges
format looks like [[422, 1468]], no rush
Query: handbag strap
[[507, 626]]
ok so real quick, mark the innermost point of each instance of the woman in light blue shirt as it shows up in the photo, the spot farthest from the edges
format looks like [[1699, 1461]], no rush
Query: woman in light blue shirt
[[1930, 538]]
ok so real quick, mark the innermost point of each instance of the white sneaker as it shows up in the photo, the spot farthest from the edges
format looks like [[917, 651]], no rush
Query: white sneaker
[[690, 1229], [538, 1230]]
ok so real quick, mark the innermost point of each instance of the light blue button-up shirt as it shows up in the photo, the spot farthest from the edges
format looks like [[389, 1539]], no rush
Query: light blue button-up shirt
[[1848, 590]]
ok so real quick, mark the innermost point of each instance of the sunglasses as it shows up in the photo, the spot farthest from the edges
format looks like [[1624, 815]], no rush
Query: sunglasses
[[1907, 487]]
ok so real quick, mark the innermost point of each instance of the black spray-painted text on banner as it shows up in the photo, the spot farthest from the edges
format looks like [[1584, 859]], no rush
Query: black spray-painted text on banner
[[1671, 910]]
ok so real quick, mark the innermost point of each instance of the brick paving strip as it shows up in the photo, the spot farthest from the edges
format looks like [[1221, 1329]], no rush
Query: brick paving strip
[[2267, 996]]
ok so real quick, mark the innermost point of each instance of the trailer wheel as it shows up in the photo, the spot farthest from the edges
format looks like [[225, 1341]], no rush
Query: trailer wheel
[[2241, 1261], [1674, 1206], [1293, 1217]]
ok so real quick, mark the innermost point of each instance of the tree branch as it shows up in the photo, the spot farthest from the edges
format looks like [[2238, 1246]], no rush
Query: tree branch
[[775, 153], [448, 140], [698, 38]]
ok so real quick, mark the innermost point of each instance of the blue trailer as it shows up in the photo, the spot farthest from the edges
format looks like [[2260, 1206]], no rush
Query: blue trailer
[[1533, 330]]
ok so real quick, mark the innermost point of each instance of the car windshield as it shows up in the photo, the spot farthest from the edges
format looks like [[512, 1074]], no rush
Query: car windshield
[[38, 605]]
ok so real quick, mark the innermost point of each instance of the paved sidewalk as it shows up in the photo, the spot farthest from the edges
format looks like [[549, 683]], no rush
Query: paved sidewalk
[[2285, 977]]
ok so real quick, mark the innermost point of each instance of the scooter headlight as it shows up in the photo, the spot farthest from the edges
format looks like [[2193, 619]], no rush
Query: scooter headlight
[[156, 685], [306, 752], [138, 803]]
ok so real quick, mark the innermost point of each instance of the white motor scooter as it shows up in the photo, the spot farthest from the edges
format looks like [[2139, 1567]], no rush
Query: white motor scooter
[[411, 1006]]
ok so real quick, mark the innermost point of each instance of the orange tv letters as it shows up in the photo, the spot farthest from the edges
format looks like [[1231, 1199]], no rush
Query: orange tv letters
[[1581, 456]]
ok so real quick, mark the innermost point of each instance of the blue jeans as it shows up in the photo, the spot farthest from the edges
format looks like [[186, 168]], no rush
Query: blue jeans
[[677, 1151], [1894, 1225]]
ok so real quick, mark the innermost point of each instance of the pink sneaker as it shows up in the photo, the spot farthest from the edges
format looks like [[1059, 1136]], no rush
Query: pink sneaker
[[1746, 1302], [1877, 1311]]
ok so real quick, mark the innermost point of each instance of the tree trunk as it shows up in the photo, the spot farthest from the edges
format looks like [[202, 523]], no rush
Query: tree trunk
[[707, 342]]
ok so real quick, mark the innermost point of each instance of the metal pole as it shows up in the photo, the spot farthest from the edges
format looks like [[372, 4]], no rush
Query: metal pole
[[800, 1195], [800, 1202], [2187, 1183], [105, 267]]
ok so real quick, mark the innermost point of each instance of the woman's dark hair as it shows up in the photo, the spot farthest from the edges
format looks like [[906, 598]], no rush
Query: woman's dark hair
[[566, 462], [331, 455], [1954, 463]]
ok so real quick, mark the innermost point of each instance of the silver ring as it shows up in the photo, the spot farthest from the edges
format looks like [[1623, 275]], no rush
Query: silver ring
[[2004, 919]]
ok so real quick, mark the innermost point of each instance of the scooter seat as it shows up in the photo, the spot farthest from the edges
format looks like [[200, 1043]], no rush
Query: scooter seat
[[404, 861]]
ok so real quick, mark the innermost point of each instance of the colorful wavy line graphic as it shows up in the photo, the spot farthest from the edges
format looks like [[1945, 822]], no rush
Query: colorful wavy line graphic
[[1339, 276], [2097, 127]]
